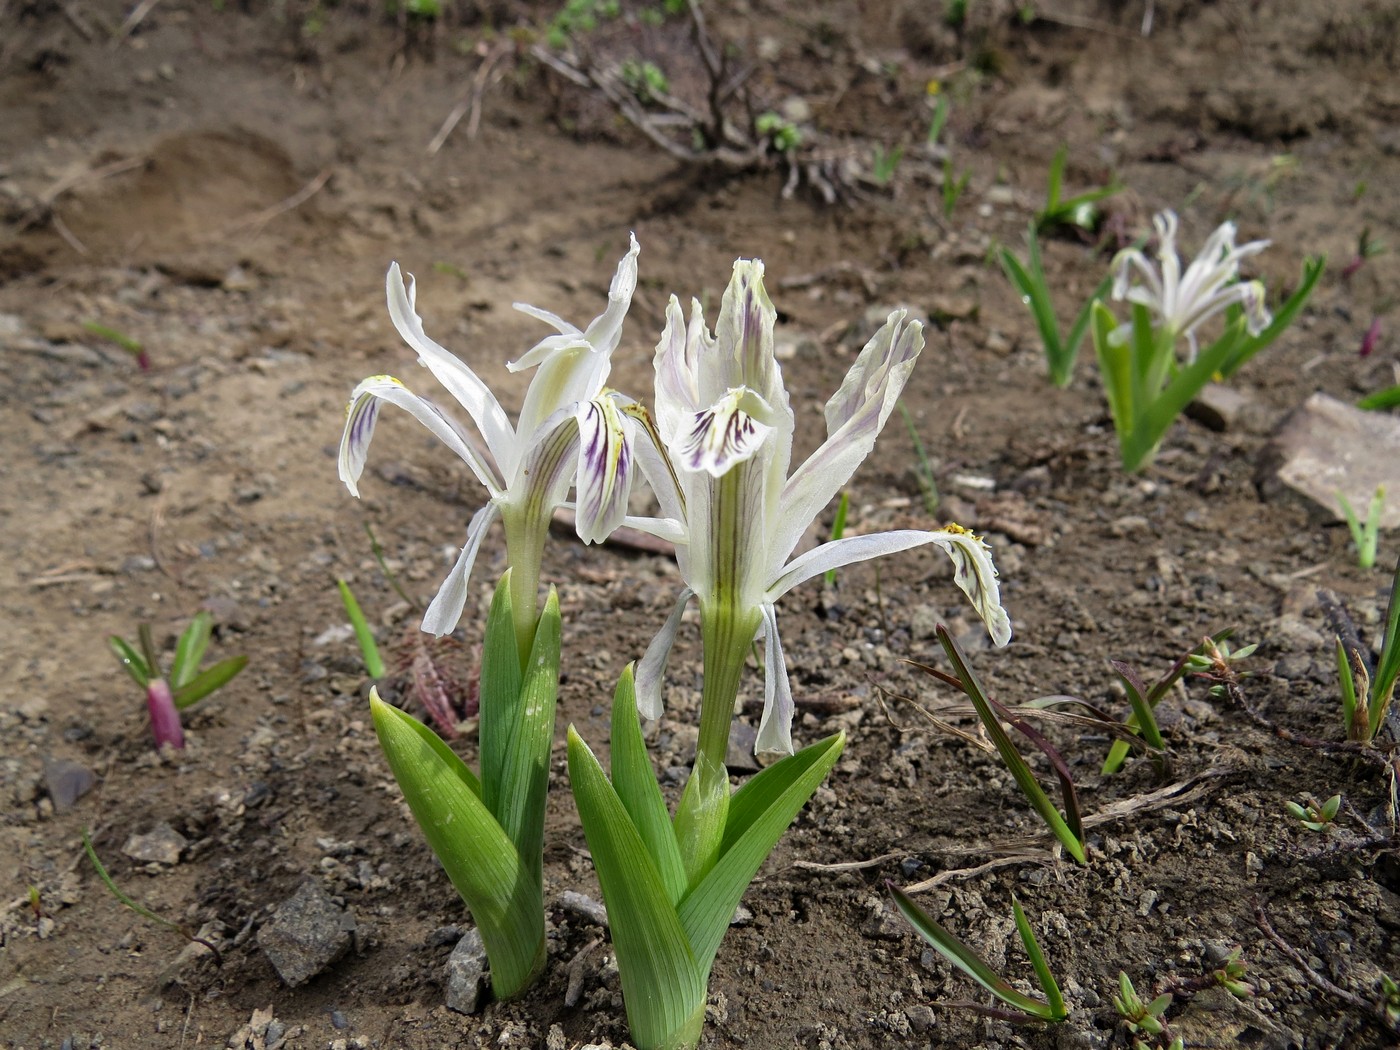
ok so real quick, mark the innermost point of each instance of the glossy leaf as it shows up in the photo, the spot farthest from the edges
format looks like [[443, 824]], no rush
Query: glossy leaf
[[189, 651], [206, 682], [131, 660]]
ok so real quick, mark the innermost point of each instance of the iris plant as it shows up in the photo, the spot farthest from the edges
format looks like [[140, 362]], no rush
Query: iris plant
[[724, 434], [1147, 386], [572, 431]]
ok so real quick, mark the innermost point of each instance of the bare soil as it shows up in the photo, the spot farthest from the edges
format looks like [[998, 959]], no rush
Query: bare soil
[[226, 184]]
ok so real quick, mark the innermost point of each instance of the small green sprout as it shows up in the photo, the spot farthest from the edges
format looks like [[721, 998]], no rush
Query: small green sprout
[[953, 187], [783, 134], [186, 685], [923, 469], [1367, 247], [884, 163], [1028, 279], [1365, 534], [941, 112], [644, 79], [1024, 1007], [838, 529], [1390, 1005], [1137, 1015], [369, 650], [1366, 698], [126, 342], [1229, 975], [1081, 210], [1387, 398]]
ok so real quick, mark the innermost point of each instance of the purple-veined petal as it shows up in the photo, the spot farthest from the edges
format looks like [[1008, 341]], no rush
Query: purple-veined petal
[[775, 728], [363, 412], [651, 670], [855, 415], [548, 468], [446, 608], [677, 385], [603, 332], [727, 433], [461, 382], [974, 572], [605, 468]]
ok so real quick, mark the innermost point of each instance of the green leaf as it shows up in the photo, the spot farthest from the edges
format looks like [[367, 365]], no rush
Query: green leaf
[[1162, 409], [501, 676], [1137, 699], [1020, 771], [1248, 347], [663, 986], [477, 855], [189, 652], [206, 682], [636, 786], [1388, 398], [966, 960], [1115, 371], [369, 650], [528, 718], [1058, 1012], [759, 813], [130, 660], [1388, 667]]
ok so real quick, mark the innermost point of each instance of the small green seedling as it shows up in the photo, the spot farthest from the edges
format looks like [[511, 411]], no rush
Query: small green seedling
[[1381, 399], [1024, 1008], [923, 469], [884, 163], [1068, 829], [186, 685], [369, 650], [1137, 1015], [126, 342], [1365, 535], [941, 112], [838, 529], [953, 187], [1390, 999], [1081, 210], [1366, 697], [1028, 278], [1367, 247], [141, 909], [1231, 973], [783, 134], [1315, 815]]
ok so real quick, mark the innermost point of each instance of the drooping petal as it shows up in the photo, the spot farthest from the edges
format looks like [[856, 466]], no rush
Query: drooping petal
[[651, 670], [603, 332], [363, 412], [605, 468], [446, 607], [855, 415], [727, 433], [974, 572], [775, 728], [461, 382]]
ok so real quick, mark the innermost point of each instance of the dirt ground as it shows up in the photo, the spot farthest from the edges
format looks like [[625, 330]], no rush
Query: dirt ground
[[227, 183]]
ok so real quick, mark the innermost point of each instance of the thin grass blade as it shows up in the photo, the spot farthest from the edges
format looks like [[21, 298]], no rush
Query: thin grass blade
[[369, 649], [1046, 979], [209, 681], [131, 660]]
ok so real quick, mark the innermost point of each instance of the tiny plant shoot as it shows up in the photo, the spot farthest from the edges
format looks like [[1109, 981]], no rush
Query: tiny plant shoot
[[1315, 815], [1365, 535], [364, 636], [1080, 211], [186, 684], [1366, 697], [1024, 1008]]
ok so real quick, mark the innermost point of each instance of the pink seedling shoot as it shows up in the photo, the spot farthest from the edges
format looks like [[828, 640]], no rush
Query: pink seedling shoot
[[186, 685], [1372, 338]]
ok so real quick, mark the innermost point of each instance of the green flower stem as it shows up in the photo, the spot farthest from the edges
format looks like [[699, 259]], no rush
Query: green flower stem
[[725, 632]]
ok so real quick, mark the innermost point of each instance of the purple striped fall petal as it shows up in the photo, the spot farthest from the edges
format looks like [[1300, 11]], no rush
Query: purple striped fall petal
[[725, 427], [570, 432]]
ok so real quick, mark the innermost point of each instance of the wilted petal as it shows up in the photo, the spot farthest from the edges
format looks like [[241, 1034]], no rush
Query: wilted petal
[[446, 608], [775, 728], [605, 468], [974, 572], [363, 412], [728, 432], [461, 382], [603, 333], [652, 668]]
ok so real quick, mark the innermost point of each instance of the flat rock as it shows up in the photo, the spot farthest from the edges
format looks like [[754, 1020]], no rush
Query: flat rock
[[308, 933], [1326, 446], [466, 974], [161, 845], [1221, 408], [67, 782]]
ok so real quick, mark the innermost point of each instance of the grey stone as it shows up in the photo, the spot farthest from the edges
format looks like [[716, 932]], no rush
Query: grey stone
[[161, 845], [584, 907], [1327, 446], [739, 756], [308, 933], [1220, 408], [466, 974], [67, 782]]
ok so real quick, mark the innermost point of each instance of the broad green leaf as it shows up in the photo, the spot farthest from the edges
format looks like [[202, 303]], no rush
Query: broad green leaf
[[663, 986], [501, 676], [759, 813], [1042, 971], [965, 959], [478, 857], [524, 769], [130, 660], [1021, 772], [369, 649], [1164, 408], [206, 682], [189, 651], [636, 786], [1115, 369]]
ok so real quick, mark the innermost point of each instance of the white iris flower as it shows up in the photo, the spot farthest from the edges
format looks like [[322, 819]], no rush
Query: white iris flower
[[571, 431], [726, 426], [1181, 302]]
